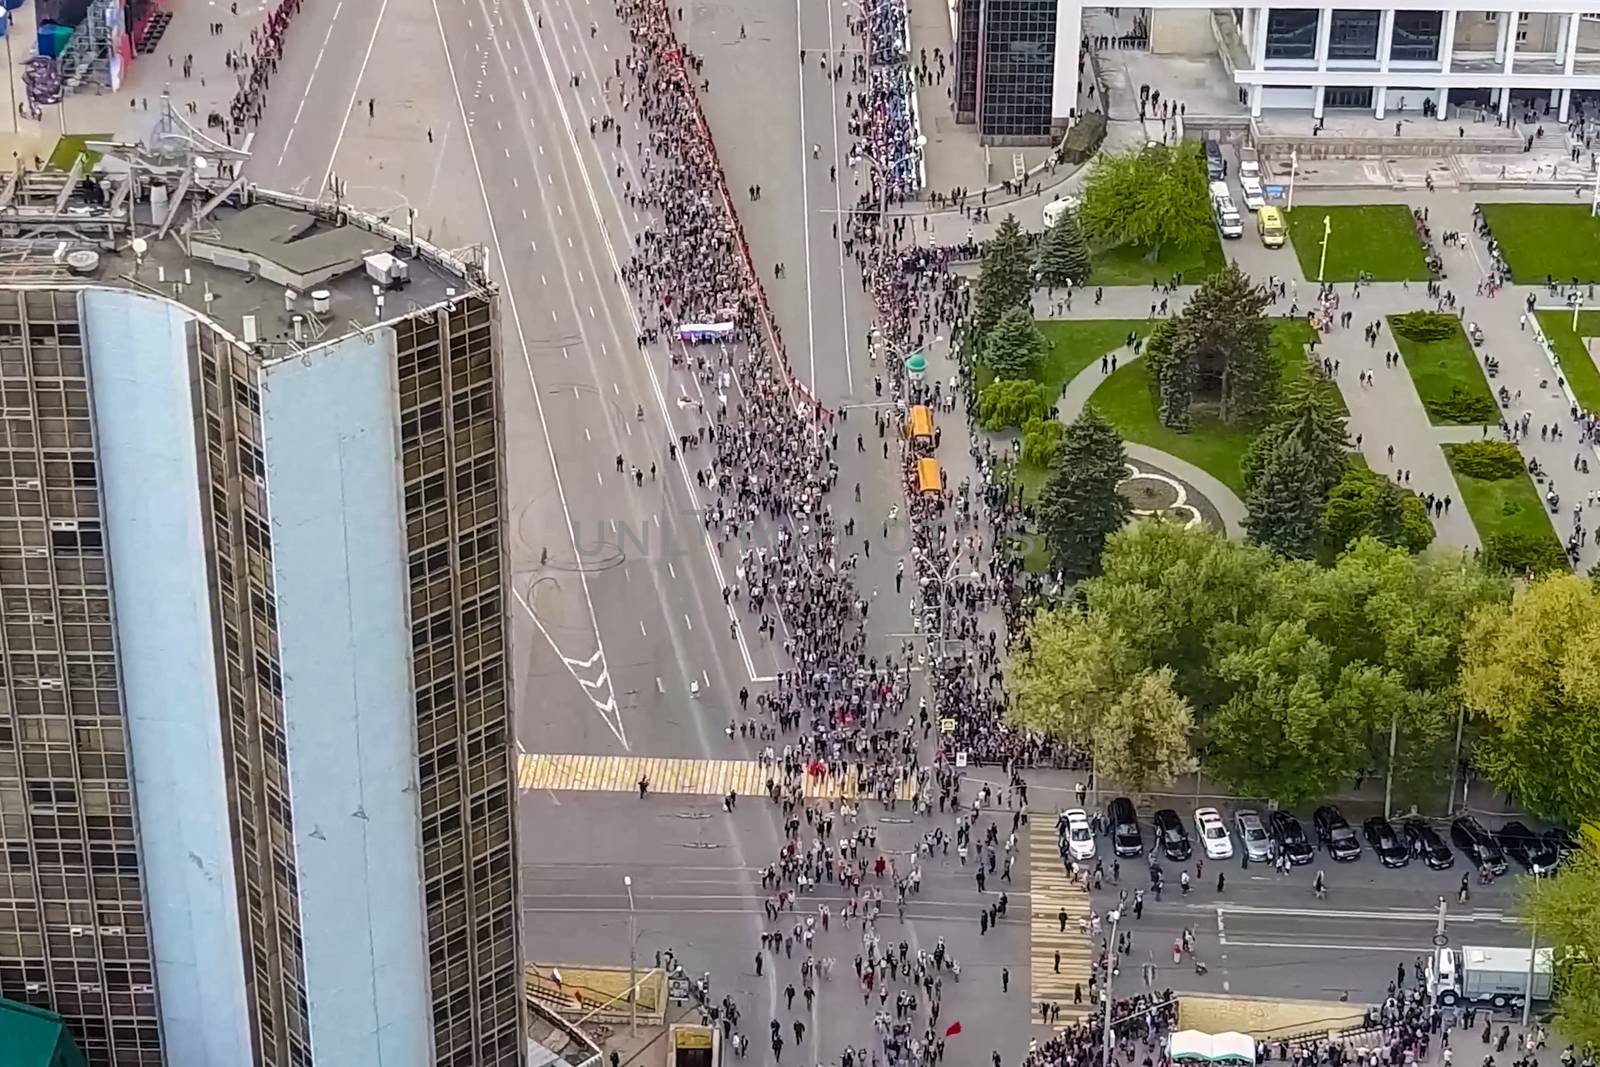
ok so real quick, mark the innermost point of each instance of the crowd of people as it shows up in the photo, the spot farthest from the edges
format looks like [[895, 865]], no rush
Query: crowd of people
[[253, 69], [889, 126]]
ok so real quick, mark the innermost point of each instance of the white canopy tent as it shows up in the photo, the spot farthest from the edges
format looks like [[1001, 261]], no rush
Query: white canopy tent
[[1224, 1050]]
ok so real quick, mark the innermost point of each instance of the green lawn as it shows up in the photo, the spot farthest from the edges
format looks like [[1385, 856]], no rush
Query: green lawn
[[1125, 400], [1503, 506], [1437, 368], [1076, 343], [1577, 366], [1129, 265], [1380, 239], [1561, 241]]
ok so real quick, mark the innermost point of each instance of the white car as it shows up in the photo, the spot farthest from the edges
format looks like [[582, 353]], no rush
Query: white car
[[1213, 834], [1253, 198], [1078, 836]]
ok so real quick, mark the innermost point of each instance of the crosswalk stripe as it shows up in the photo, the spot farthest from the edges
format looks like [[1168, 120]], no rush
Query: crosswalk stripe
[[1054, 892], [695, 777]]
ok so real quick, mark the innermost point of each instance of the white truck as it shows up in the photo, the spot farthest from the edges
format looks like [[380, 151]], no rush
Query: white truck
[[1227, 215], [1496, 977]]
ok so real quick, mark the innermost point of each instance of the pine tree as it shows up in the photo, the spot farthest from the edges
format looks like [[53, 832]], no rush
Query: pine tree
[[1005, 280], [1080, 507], [1224, 333], [1283, 509], [1310, 413], [1064, 253], [1173, 374], [1013, 347]]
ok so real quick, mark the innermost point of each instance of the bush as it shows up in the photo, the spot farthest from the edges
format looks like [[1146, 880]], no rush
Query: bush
[[1516, 553], [1464, 408], [1041, 441], [1489, 460], [1010, 402], [1084, 139], [1424, 326]]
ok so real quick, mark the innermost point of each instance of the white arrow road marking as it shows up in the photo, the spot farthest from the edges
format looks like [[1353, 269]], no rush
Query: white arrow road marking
[[598, 691]]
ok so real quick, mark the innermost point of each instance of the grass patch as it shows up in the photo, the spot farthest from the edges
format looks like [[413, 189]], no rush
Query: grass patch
[[1380, 239], [1448, 379], [1504, 507], [1077, 343], [1124, 398], [1536, 240], [1030, 479], [71, 146], [1577, 366], [1129, 265]]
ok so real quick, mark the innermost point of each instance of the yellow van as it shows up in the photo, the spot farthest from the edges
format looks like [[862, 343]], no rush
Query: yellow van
[[1269, 224]]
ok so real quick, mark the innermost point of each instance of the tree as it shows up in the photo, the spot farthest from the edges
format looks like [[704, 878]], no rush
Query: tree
[[1005, 279], [1080, 506], [1142, 740], [1284, 506], [1224, 334], [1064, 253], [1173, 377], [1147, 198], [1532, 672], [1041, 441], [1012, 403], [1364, 503], [1013, 347], [1566, 912], [1065, 671], [1309, 413]]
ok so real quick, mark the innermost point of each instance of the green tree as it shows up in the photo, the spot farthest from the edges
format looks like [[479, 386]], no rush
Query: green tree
[[1296, 726], [1012, 403], [1224, 334], [1080, 506], [1013, 347], [1532, 672], [1005, 278], [1283, 505], [1148, 198], [1172, 376], [1065, 671], [1064, 253], [1566, 913], [1142, 739], [1364, 503], [1041, 441], [1309, 413]]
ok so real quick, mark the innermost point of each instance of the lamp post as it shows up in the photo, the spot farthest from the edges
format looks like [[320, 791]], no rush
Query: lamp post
[[1577, 306], [1294, 165], [1327, 232], [1108, 1042], [633, 962]]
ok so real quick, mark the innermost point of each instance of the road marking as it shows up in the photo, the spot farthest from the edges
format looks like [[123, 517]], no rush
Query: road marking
[[361, 73], [641, 629], [295, 122], [1303, 946], [1391, 914], [805, 207], [678, 776], [1053, 893]]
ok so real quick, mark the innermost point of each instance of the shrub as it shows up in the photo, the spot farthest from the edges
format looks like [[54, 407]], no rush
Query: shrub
[[1519, 552], [1463, 408], [1488, 460], [1424, 326], [1041, 441], [1084, 139], [1010, 402]]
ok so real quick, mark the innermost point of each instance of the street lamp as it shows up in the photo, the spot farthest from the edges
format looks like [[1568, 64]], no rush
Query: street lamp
[[1108, 1040], [1577, 306], [633, 962], [1327, 232], [1294, 166]]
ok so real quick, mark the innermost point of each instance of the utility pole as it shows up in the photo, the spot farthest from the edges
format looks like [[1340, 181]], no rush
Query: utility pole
[[1108, 1041], [1388, 779], [633, 962], [1327, 232]]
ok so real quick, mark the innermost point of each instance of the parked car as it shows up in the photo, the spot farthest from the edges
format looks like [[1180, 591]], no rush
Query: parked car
[[1213, 834], [1477, 845], [1216, 169], [1385, 842], [1077, 837], [1426, 844], [1335, 835], [1289, 837], [1533, 852], [1561, 839], [1250, 190], [1172, 837], [1252, 835], [1126, 840]]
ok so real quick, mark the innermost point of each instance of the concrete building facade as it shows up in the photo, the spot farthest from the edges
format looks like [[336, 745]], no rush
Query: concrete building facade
[[256, 796]]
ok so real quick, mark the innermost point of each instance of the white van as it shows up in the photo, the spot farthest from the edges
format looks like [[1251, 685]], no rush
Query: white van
[[1053, 210], [1228, 222]]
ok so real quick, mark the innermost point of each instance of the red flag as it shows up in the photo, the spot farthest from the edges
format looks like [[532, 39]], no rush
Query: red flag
[[953, 1029]]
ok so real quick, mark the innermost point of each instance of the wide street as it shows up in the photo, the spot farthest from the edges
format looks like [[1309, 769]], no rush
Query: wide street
[[476, 114]]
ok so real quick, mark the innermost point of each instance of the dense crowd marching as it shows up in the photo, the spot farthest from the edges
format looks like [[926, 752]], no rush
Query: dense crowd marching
[[253, 69]]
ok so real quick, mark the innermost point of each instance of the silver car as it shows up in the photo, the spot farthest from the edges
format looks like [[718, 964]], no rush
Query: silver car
[[1253, 836]]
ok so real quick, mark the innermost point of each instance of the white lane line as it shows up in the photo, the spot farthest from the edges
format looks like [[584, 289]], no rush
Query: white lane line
[[356, 89], [838, 204], [295, 122], [641, 630], [805, 202], [688, 622], [672, 571]]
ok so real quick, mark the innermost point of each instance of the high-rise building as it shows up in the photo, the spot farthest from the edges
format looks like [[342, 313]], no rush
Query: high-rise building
[[256, 800]]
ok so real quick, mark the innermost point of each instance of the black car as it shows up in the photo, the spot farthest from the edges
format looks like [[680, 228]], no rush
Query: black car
[[1172, 837], [1561, 839], [1385, 842], [1533, 852], [1423, 842], [1477, 845], [1335, 835], [1289, 837], [1126, 840]]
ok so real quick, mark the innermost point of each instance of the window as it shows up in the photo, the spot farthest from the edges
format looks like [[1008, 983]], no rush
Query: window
[[1353, 35], [1416, 36], [1292, 33]]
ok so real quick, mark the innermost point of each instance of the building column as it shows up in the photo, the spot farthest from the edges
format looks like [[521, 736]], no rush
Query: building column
[[1563, 101], [1505, 19], [1316, 104], [1324, 30], [1069, 36], [1570, 51], [1447, 51], [1380, 99], [1256, 93], [1247, 31], [1444, 103], [1258, 43], [1512, 20]]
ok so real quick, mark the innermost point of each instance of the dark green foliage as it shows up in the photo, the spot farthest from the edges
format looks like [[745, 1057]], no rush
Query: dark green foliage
[[1225, 336], [1366, 504], [1489, 460], [1284, 504], [1463, 408], [1041, 441], [1515, 553], [1012, 403], [1080, 506], [1171, 376], [1064, 254], [1309, 414], [1424, 326], [1006, 278], [1147, 198], [1013, 347]]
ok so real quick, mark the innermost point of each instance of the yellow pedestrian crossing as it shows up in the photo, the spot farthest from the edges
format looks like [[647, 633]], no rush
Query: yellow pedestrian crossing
[[694, 777], [1053, 893]]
